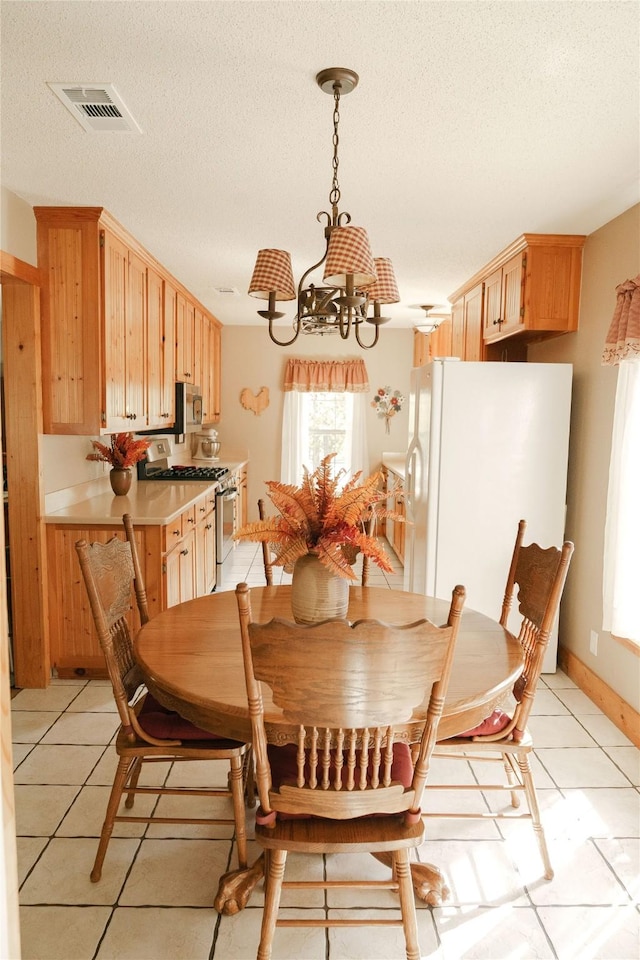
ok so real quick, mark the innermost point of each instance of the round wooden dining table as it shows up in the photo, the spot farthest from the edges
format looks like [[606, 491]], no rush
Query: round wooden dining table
[[191, 657]]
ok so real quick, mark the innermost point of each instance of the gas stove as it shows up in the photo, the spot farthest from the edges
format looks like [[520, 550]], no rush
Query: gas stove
[[158, 471], [156, 466]]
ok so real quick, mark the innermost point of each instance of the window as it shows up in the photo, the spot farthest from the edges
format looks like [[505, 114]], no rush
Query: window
[[324, 412]]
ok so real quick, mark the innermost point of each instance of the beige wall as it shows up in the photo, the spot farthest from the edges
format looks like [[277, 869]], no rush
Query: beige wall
[[250, 359], [611, 255], [17, 227]]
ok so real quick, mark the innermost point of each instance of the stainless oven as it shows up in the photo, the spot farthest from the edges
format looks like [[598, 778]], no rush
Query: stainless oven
[[226, 499]]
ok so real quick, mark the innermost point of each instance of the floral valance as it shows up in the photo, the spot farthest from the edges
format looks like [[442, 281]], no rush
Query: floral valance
[[331, 376], [623, 339]]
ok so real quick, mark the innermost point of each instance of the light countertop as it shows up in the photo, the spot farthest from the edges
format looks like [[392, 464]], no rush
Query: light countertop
[[395, 462], [149, 502]]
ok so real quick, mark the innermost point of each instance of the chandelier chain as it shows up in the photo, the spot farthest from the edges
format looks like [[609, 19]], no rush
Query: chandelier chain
[[334, 196]]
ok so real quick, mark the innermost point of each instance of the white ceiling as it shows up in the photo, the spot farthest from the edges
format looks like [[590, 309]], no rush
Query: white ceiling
[[473, 122]]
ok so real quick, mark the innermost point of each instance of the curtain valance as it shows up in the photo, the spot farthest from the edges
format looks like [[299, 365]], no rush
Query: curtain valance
[[331, 376], [623, 339]]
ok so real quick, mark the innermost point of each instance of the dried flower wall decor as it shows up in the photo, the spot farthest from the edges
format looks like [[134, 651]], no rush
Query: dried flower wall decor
[[387, 404]]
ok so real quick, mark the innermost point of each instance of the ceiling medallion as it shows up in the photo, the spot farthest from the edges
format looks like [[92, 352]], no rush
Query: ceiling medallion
[[353, 280]]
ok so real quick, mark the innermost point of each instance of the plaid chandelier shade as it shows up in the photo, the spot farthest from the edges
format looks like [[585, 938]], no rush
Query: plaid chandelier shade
[[273, 272], [385, 288], [349, 254]]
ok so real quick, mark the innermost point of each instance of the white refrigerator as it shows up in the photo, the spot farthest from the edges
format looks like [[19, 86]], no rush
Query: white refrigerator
[[488, 446]]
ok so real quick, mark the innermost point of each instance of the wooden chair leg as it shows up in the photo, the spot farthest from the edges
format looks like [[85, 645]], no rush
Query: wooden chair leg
[[534, 810], [249, 779], [124, 765], [274, 874], [402, 873], [237, 795], [134, 776], [512, 779]]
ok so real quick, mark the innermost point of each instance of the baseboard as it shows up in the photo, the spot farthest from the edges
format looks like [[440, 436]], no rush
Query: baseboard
[[612, 705]]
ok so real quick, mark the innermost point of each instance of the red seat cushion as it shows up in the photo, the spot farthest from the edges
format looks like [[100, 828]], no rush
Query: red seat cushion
[[493, 724], [164, 724], [284, 768]]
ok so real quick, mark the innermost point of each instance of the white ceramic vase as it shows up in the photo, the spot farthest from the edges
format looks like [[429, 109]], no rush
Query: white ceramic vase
[[316, 593]]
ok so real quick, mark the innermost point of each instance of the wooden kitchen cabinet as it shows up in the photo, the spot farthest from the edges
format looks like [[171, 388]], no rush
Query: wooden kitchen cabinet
[[426, 346], [394, 530], [103, 353], [241, 503], [161, 309], [530, 291], [75, 649], [185, 340]]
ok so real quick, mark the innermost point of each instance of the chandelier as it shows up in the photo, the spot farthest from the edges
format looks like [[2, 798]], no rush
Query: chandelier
[[354, 282]]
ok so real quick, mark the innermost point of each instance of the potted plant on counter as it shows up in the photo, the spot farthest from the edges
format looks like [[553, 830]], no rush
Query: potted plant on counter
[[319, 532], [123, 453]]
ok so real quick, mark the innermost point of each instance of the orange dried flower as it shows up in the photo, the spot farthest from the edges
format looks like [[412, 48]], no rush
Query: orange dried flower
[[124, 451]]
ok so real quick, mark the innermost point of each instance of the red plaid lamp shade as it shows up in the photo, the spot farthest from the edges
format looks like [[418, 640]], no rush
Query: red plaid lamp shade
[[349, 253], [272, 272], [385, 289]]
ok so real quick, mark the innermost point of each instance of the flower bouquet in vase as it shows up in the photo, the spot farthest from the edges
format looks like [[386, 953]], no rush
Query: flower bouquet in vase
[[124, 451], [320, 528]]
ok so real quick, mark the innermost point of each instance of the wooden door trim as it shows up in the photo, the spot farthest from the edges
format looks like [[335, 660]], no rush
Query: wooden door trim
[[23, 424]]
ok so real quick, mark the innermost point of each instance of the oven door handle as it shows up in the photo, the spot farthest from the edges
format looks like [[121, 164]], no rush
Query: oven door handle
[[229, 494]]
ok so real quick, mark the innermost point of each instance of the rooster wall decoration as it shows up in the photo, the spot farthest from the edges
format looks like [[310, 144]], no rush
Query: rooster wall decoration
[[256, 402]]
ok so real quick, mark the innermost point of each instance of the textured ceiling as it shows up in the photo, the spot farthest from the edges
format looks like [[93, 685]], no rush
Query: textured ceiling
[[473, 122]]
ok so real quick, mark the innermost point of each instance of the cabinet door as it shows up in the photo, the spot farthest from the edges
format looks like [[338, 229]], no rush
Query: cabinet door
[[135, 347], [185, 333], [457, 330], [185, 322], [155, 349], [473, 324], [115, 265], [420, 348], [217, 368], [188, 579], [75, 648], [197, 367], [440, 340], [168, 405], [492, 305], [206, 381], [513, 295]]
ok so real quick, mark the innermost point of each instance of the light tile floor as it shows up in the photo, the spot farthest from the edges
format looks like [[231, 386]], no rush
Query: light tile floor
[[154, 901]]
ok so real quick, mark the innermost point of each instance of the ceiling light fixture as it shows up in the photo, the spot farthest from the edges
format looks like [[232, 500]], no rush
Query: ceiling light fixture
[[353, 280], [433, 317]]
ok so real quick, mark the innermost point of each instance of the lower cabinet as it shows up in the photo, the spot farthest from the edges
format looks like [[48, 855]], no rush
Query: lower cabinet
[[178, 563], [394, 530]]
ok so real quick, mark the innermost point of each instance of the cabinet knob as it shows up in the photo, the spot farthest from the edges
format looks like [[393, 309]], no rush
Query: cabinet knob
[[177, 533], [202, 509], [208, 526], [184, 552], [190, 520]]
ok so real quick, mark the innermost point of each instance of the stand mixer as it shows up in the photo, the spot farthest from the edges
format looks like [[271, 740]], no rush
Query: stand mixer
[[208, 445]]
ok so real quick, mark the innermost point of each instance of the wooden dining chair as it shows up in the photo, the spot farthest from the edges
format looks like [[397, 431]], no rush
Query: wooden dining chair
[[266, 553], [539, 575], [149, 732], [334, 770], [369, 527]]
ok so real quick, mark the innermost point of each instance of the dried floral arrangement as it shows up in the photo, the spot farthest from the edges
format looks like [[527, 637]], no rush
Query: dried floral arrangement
[[124, 451], [320, 518], [387, 404]]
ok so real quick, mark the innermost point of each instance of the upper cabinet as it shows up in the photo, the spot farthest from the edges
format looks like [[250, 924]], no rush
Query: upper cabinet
[[529, 291], [117, 329]]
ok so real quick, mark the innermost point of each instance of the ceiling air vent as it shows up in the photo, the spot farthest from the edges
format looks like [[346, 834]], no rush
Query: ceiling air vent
[[96, 106]]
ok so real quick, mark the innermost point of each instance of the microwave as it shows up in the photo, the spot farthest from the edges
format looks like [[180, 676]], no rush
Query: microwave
[[188, 408]]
